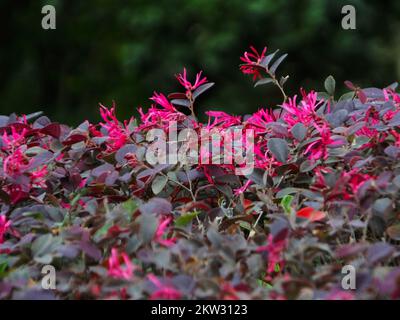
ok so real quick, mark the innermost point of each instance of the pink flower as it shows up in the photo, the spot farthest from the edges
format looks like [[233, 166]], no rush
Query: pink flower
[[117, 133], [16, 193], [15, 164], [82, 183], [275, 251], [243, 188], [163, 291], [259, 120], [305, 112], [356, 179], [371, 118], [252, 62], [114, 266], [19, 178], [131, 159], [345, 187], [10, 142], [182, 78], [390, 114], [390, 93], [4, 226], [38, 177], [162, 226], [320, 181], [158, 118], [109, 117], [222, 120], [318, 149], [160, 99]]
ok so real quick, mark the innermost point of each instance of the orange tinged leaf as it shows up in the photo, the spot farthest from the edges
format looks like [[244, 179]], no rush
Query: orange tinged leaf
[[311, 214], [247, 203], [249, 207]]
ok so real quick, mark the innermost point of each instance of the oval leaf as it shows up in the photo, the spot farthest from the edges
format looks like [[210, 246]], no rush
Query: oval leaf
[[330, 85], [279, 149], [277, 63], [263, 81], [311, 214], [202, 89], [265, 62], [299, 131], [158, 184], [181, 102]]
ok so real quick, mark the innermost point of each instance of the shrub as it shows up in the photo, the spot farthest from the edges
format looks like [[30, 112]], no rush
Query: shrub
[[91, 201]]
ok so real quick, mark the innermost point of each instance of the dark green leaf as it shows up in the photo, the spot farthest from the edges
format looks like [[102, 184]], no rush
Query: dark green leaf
[[158, 184], [41, 248], [265, 62], [279, 149], [330, 85], [308, 165], [286, 203], [202, 89], [347, 96], [148, 226], [283, 80], [299, 131], [276, 64], [185, 219], [181, 102], [263, 81]]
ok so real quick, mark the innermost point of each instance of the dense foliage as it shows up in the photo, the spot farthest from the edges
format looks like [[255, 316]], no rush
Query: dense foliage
[[324, 193]]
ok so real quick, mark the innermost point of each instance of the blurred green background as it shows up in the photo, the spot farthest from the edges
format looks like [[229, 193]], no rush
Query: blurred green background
[[124, 50]]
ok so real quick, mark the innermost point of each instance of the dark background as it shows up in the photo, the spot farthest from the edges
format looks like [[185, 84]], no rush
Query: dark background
[[124, 50]]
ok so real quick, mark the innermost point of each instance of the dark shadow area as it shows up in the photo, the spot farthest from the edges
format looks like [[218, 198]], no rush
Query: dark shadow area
[[124, 50]]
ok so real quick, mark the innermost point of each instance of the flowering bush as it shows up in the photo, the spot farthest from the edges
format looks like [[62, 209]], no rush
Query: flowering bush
[[322, 193]]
